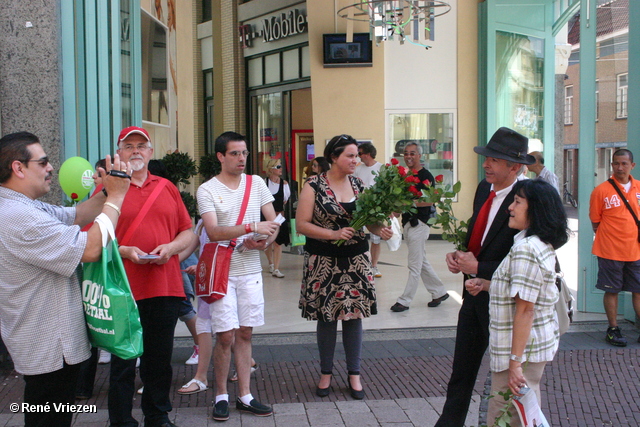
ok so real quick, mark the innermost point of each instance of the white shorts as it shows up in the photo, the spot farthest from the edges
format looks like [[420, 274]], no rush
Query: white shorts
[[242, 306]]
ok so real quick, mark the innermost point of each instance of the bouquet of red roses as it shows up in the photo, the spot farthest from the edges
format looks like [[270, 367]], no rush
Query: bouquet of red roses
[[394, 190]]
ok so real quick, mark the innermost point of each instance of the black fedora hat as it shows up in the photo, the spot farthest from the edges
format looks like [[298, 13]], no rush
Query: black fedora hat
[[507, 144]]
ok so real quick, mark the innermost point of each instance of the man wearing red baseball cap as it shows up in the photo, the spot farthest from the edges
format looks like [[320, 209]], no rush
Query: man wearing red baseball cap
[[154, 228]]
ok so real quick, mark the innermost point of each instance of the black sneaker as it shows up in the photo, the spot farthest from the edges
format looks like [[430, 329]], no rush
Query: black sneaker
[[614, 337], [221, 411], [436, 301], [255, 407], [397, 307]]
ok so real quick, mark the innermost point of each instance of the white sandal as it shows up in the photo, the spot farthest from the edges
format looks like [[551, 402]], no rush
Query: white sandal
[[201, 387]]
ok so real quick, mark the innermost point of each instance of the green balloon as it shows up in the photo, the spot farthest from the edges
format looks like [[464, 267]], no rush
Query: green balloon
[[75, 177]]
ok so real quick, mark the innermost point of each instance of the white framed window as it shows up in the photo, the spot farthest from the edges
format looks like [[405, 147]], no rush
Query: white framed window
[[434, 131], [568, 105], [622, 86]]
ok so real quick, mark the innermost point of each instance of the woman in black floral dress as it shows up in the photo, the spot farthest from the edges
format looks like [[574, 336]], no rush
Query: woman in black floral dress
[[337, 281]]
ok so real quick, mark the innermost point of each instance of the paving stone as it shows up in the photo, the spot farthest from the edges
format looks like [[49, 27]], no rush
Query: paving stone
[[292, 420], [350, 407], [289, 409], [361, 419], [413, 403], [324, 416]]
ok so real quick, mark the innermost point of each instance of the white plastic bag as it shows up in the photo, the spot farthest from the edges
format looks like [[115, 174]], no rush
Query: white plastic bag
[[395, 240]]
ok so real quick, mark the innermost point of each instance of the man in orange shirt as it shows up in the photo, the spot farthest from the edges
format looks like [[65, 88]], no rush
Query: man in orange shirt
[[616, 243]]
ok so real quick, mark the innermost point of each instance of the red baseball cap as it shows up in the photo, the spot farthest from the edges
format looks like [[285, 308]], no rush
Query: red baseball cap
[[131, 130]]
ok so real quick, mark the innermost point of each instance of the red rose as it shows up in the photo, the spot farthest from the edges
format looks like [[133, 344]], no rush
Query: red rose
[[394, 161], [426, 182], [74, 196], [439, 179], [402, 171], [408, 179], [414, 172]]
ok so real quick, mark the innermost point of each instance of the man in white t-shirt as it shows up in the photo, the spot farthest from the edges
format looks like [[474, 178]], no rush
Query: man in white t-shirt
[[235, 315], [367, 171]]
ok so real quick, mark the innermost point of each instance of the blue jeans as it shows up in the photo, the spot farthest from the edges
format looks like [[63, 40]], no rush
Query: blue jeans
[[158, 317]]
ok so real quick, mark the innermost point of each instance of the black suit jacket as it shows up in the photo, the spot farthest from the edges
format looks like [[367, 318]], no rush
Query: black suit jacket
[[499, 239]]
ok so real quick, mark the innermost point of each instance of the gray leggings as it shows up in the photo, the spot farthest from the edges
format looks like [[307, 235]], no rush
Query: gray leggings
[[326, 333]]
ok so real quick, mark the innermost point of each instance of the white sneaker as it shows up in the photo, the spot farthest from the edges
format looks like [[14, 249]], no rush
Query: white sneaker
[[105, 357], [276, 273], [140, 390], [193, 360], [138, 362], [376, 272], [271, 268]]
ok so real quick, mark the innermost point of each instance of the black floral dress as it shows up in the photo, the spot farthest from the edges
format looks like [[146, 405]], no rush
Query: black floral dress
[[337, 281]]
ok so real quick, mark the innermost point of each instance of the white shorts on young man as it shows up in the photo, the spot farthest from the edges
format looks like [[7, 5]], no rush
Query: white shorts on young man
[[242, 306]]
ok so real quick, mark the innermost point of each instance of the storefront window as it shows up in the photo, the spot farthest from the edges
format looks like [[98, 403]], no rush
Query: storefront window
[[435, 134], [520, 84], [269, 132], [154, 71]]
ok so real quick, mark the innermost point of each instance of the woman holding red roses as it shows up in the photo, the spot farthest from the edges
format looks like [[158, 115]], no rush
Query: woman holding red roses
[[337, 281]]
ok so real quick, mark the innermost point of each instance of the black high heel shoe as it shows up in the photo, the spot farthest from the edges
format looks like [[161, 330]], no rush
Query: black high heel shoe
[[356, 394], [324, 392]]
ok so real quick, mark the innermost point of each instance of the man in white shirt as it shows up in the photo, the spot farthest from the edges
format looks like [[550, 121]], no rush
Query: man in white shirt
[[367, 171], [542, 172], [234, 316]]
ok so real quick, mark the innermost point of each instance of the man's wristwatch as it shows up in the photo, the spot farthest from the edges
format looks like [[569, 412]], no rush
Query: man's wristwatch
[[515, 358]]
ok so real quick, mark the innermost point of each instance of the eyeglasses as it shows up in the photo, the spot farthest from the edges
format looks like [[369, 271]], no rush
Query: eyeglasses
[[276, 167], [139, 147], [42, 162], [244, 153]]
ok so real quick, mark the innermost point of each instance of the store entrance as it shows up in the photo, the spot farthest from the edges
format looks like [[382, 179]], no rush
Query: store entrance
[[282, 129]]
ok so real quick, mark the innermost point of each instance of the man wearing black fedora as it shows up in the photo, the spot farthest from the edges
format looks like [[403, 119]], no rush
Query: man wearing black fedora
[[489, 240]]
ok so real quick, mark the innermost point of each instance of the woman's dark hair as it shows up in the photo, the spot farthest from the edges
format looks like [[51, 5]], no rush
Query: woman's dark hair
[[336, 146], [323, 164], [158, 168], [545, 212]]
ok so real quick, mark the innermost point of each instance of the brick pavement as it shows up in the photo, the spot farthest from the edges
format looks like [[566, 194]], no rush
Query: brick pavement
[[404, 372]]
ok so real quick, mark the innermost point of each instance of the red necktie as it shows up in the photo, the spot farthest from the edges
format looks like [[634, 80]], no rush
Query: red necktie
[[475, 242]]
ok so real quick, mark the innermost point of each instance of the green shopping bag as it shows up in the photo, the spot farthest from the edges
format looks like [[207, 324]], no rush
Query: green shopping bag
[[297, 239], [111, 312]]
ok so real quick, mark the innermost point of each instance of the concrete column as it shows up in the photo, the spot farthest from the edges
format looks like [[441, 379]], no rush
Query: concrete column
[[30, 75]]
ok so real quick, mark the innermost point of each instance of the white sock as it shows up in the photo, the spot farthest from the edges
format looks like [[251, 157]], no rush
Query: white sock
[[222, 397], [246, 399]]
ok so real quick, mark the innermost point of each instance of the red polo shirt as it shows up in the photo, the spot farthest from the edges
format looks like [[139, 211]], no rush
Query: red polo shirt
[[163, 222]]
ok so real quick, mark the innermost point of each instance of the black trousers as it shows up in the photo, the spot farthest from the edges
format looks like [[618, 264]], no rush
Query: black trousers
[[158, 317], [57, 387], [472, 339]]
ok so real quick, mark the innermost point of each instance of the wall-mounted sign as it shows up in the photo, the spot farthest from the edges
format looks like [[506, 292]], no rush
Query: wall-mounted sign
[[275, 27]]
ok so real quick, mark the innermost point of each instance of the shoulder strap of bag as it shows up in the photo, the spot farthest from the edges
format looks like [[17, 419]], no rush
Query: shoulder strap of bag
[[558, 271], [143, 212], [624, 199], [243, 207]]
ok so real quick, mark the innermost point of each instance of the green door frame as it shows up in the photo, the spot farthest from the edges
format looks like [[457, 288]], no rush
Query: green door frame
[[501, 15], [633, 126], [91, 77], [589, 298]]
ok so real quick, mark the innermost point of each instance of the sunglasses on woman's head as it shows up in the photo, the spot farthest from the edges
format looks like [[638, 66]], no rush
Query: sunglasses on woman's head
[[276, 167]]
